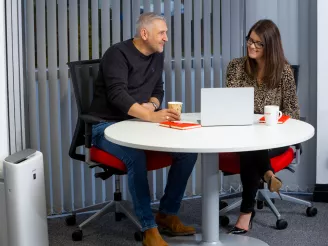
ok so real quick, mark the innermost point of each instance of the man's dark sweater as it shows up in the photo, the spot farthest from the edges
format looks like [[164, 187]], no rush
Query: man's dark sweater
[[125, 77]]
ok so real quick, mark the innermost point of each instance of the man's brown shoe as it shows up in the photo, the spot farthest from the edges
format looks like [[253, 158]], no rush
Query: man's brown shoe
[[151, 237], [172, 225]]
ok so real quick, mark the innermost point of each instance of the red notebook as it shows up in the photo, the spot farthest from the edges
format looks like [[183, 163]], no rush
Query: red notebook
[[180, 125], [281, 120]]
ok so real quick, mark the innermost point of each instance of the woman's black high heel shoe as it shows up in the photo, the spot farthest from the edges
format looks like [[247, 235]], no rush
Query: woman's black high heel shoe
[[275, 184], [238, 231]]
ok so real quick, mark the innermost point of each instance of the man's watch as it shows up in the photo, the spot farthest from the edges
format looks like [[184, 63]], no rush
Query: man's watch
[[154, 104]]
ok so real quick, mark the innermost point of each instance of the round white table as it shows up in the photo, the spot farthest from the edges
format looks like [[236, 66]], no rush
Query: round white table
[[209, 141]]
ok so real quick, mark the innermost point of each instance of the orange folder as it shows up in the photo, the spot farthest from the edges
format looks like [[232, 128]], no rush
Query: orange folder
[[180, 125], [281, 120]]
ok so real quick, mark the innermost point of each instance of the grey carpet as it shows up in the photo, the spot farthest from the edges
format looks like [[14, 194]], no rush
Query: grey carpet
[[301, 230]]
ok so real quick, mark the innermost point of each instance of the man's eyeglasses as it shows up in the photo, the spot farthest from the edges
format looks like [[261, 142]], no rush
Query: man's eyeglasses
[[257, 44]]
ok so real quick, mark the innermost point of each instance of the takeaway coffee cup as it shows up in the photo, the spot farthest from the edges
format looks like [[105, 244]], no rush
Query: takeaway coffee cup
[[176, 106]]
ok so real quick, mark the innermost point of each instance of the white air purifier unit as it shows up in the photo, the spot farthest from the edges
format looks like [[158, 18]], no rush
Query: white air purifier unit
[[25, 199]]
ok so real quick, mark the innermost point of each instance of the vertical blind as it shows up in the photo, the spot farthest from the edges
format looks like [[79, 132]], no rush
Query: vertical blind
[[204, 35], [15, 76]]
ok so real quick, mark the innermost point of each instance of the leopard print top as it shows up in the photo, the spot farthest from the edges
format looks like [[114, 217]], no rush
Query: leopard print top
[[284, 95]]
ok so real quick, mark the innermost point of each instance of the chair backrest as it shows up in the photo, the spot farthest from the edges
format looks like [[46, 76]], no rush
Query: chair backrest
[[83, 74], [296, 70]]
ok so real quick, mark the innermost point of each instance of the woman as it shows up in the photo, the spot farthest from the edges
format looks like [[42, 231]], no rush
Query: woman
[[265, 68]]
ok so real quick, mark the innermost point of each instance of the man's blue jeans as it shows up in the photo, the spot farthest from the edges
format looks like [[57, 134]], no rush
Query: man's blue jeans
[[135, 161]]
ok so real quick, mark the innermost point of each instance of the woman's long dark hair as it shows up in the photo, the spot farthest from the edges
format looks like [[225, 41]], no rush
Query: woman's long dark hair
[[273, 53]]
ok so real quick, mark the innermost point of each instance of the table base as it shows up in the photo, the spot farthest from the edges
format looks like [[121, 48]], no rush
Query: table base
[[225, 240]]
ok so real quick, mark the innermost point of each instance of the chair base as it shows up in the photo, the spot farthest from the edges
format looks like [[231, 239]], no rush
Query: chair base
[[230, 195], [120, 207], [264, 195]]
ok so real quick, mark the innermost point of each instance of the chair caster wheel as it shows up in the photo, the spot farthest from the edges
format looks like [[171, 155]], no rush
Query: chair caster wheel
[[77, 235], [138, 236], [311, 212], [281, 224], [119, 216], [223, 204], [259, 204], [70, 220], [224, 220]]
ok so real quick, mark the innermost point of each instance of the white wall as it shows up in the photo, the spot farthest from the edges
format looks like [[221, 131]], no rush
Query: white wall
[[322, 90], [4, 145]]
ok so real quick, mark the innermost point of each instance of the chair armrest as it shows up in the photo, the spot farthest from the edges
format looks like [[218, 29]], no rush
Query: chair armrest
[[90, 119], [297, 154], [299, 147]]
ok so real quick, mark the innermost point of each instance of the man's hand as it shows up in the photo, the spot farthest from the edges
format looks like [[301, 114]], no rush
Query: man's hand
[[140, 112], [148, 106], [164, 115]]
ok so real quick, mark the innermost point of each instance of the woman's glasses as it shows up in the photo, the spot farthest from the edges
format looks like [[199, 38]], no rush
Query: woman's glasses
[[257, 44]]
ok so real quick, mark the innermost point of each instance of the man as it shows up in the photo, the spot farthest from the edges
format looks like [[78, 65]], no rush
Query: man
[[129, 84]]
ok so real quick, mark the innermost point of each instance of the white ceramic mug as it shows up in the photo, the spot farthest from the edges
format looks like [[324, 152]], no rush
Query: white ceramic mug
[[272, 114]]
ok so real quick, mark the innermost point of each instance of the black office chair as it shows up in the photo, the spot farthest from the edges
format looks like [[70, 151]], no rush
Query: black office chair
[[83, 74], [296, 71], [229, 165]]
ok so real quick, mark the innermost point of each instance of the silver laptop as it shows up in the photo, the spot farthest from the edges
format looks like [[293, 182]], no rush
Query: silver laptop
[[227, 106]]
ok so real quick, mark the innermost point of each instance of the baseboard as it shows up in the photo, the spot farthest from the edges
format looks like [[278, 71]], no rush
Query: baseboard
[[320, 193]]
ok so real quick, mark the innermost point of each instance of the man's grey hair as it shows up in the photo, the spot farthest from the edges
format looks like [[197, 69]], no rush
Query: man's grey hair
[[145, 19]]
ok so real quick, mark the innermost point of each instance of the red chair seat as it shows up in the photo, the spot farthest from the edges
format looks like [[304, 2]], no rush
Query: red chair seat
[[155, 160], [229, 162]]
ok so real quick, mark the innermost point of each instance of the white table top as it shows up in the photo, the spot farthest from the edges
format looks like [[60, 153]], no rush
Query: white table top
[[151, 136]]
